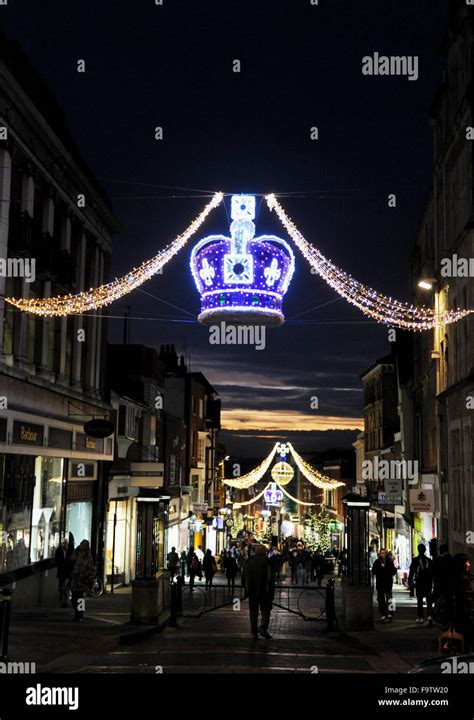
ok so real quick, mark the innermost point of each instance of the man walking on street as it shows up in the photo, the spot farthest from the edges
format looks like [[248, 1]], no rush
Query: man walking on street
[[260, 579], [383, 570], [63, 565], [173, 560], [421, 571]]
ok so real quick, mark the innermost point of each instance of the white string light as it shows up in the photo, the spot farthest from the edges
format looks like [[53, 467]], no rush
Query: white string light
[[370, 302], [92, 299], [251, 478], [314, 476]]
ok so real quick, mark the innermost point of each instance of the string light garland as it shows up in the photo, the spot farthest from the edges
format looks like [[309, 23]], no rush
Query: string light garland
[[253, 500], [314, 476], [253, 477], [92, 299], [299, 502], [369, 301]]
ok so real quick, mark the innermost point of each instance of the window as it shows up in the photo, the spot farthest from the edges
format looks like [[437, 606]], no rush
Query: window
[[45, 524], [172, 469], [201, 450], [201, 408]]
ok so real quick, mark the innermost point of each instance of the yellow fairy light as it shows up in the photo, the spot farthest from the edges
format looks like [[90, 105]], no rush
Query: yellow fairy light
[[251, 478], [282, 473], [314, 476], [92, 299], [369, 301]]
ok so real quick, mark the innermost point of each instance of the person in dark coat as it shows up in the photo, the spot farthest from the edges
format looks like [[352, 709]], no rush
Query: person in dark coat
[[421, 573], [82, 575], [383, 570], [209, 566], [318, 561], [194, 568], [260, 583], [231, 569], [62, 557]]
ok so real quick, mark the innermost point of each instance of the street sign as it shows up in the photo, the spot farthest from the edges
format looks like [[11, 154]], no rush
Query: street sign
[[200, 507], [422, 501]]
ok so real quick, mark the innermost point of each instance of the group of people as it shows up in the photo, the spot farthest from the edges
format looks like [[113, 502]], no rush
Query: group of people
[[75, 571], [442, 583]]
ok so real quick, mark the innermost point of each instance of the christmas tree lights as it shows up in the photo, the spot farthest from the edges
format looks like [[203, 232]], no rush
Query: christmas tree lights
[[92, 299], [372, 303]]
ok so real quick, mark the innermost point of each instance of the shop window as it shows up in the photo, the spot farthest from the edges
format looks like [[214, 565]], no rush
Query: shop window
[[15, 511], [79, 520], [46, 518]]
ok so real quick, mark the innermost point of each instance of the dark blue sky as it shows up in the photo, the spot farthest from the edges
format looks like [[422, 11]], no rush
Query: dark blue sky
[[171, 65]]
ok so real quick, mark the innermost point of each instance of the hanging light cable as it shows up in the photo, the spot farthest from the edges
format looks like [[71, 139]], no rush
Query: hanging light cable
[[369, 301], [251, 478], [92, 299]]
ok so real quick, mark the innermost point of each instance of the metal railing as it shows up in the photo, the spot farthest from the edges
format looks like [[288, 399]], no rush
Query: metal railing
[[308, 602]]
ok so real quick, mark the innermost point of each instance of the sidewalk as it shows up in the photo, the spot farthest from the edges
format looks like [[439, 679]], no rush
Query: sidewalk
[[217, 642]]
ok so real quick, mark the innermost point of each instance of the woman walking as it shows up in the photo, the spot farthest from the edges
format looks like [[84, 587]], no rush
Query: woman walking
[[209, 566], [82, 574]]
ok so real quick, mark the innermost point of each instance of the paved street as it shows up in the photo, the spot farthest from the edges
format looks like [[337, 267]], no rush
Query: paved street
[[218, 641]]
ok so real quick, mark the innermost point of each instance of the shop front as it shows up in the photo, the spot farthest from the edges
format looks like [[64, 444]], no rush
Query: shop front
[[49, 489]]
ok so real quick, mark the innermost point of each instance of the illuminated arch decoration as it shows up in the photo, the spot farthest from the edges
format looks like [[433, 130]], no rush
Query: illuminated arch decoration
[[323, 482], [383, 309], [62, 305], [242, 279]]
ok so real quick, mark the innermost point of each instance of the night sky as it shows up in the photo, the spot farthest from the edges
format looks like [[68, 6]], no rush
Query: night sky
[[171, 66]]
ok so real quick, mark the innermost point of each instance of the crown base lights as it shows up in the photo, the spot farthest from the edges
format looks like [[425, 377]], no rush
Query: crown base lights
[[242, 316]]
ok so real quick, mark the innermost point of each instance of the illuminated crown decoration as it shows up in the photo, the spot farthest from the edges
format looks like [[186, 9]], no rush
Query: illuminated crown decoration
[[242, 278]]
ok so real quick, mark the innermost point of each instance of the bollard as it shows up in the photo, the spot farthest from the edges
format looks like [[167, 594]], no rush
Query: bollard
[[5, 609], [173, 621], [330, 605]]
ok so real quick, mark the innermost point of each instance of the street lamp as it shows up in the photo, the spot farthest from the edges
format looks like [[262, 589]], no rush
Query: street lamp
[[427, 283]]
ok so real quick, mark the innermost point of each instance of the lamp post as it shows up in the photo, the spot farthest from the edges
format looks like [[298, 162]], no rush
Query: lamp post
[[356, 585]]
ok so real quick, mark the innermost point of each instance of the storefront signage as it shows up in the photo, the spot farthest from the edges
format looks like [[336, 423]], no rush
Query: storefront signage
[[98, 428], [84, 442], [25, 433], [146, 474], [422, 501], [200, 507]]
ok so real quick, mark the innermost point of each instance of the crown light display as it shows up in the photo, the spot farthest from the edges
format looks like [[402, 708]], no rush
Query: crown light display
[[106, 294], [242, 278], [372, 303]]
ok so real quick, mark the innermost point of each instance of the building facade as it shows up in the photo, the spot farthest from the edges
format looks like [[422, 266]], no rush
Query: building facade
[[51, 369]]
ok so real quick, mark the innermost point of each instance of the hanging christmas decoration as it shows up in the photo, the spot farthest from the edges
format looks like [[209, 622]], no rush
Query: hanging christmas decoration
[[312, 475], [106, 294], [253, 477], [242, 278], [370, 302], [282, 473]]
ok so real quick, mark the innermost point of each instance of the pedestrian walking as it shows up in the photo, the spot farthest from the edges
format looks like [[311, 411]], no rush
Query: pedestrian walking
[[421, 575], [173, 560], [260, 579], [306, 566], [383, 570], [62, 557], [209, 566], [82, 574], [199, 553], [294, 561], [184, 564], [231, 569], [194, 568], [319, 565]]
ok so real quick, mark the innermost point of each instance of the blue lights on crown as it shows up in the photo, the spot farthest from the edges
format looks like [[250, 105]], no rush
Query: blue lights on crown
[[242, 278]]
